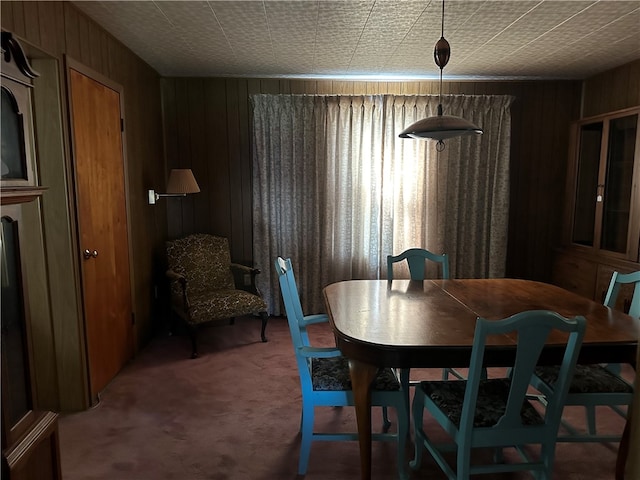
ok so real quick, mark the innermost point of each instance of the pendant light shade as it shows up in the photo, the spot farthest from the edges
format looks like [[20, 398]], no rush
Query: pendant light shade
[[440, 127]]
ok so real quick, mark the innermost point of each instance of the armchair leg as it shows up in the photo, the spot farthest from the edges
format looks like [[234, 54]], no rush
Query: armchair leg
[[265, 317], [194, 343]]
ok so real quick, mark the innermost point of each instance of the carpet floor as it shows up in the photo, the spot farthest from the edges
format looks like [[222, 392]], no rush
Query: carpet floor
[[234, 412]]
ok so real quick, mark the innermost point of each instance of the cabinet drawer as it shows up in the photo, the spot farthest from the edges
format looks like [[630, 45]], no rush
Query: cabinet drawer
[[575, 274]]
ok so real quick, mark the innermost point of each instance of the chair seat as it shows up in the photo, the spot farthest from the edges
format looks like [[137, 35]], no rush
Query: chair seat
[[586, 379], [491, 405], [224, 304], [333, 374]]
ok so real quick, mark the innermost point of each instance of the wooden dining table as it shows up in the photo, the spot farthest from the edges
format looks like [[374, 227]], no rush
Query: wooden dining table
[[431, 324]]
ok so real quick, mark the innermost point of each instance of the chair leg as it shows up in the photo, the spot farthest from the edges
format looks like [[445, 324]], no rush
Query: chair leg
[[404, 384], [307, 434], [193, 332], [386, 423], [547, 455], [463, 463], [301, 421], [403, 434], [265, 318], [454, 373], [172, 324], [418, 414], [590, 412]]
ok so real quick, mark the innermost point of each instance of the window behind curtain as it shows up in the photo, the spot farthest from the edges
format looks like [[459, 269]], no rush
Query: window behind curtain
[[335, 189]]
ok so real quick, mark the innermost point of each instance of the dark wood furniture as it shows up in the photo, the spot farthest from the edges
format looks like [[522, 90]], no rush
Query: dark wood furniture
[[206, 287], [601, 231], [413, 324], [30, 444]]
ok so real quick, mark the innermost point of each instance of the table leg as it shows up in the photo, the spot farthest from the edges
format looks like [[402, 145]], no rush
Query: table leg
[[362, 374], [631, 436], [623, 448]]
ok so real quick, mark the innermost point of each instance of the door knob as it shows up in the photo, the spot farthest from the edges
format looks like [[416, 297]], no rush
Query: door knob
[[89, 254]]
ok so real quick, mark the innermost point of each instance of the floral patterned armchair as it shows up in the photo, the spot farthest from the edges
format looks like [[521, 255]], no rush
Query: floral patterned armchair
[[206, 286]]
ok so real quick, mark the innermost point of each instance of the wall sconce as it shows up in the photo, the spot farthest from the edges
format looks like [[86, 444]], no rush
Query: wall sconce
[[181, 182]]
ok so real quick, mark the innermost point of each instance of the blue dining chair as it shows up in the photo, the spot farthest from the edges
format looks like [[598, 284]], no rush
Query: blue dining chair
[[496, 413], [416, 260], [326, 382], [595, 385]]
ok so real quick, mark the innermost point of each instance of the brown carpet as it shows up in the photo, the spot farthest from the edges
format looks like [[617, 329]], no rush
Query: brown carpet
[[233, 414]]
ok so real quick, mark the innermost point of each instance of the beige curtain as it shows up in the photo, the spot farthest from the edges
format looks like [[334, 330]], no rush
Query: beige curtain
[[337, 190]]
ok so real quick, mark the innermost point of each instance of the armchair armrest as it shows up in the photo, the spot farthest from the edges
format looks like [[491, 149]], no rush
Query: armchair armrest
[[319, 352], [244, 268], [177, 277], [244, 277]]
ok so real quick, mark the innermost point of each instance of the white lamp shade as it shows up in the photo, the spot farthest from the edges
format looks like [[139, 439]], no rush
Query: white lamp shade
[[440, 127]]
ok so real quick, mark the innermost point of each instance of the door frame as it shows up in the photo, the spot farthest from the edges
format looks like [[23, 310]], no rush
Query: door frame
[[71, 63]]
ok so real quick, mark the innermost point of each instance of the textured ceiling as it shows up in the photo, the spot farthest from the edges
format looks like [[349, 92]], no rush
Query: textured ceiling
[[381, 39]]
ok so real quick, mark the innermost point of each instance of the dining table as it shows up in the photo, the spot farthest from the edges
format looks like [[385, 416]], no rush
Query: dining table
[[431, 324]]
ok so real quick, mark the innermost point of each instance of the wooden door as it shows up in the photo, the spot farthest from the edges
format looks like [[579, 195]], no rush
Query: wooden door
[[102, 224]]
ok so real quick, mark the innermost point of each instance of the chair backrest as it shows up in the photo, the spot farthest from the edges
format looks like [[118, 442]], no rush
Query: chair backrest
[[619, 279], [293, 309], [204, 260], [533, 329], [284, 268], [416, 260]]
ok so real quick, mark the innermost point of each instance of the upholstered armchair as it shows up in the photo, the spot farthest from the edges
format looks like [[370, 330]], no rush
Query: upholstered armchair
[[206, 286]]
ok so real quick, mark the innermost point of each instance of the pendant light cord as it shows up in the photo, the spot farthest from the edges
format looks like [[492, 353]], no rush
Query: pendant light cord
[[440, 143], [440, 95], [441, 66]]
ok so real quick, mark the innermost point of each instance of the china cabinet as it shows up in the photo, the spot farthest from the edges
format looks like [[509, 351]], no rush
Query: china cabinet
[[602, 209], [30, 444]]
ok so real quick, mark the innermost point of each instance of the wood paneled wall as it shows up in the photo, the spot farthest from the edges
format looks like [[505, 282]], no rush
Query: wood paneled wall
[[207, 128], [59, 29], [612, 90]]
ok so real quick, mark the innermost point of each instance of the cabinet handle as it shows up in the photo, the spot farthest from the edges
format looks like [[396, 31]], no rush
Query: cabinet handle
[[89, 254]]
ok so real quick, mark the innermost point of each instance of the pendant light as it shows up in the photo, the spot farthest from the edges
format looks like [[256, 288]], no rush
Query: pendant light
[[440, 127]]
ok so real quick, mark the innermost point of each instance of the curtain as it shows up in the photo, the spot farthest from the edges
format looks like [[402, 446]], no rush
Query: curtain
[[337, 190]]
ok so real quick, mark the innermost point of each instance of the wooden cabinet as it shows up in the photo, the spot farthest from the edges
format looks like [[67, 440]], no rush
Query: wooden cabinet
[[30, 446], [602, 208], [589, 275], [575, 273]]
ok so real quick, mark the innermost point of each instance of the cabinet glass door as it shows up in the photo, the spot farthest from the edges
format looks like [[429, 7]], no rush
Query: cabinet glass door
[[590, 144], [618, 183], [606, 194], [16, 391]]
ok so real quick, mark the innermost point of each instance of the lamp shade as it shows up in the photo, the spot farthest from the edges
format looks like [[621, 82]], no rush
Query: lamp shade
[[182, 181], [440, 127]]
